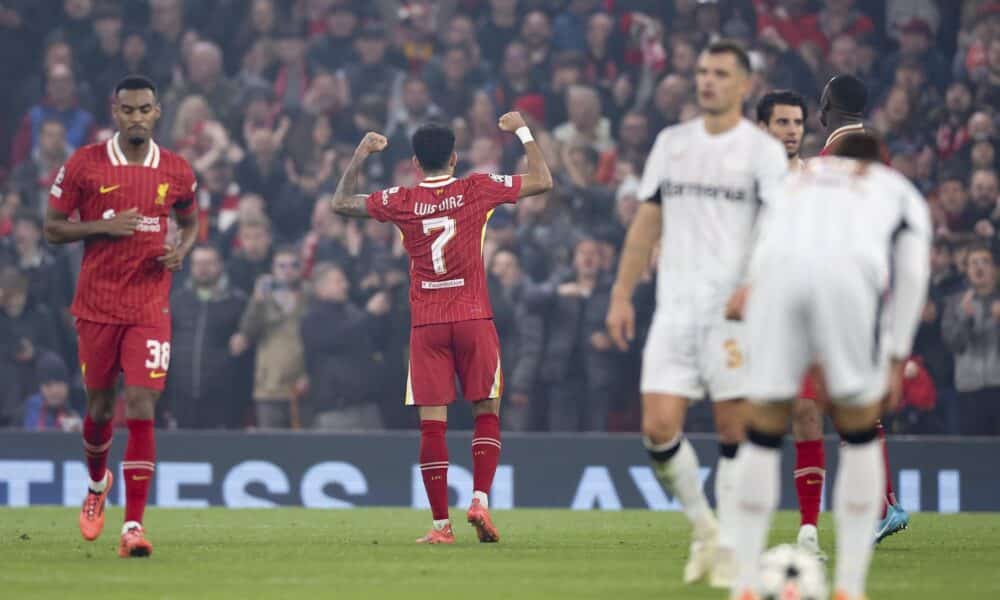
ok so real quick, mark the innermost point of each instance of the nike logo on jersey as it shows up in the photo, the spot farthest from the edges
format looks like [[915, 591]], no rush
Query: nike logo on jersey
[[105, 189], [157, 374]]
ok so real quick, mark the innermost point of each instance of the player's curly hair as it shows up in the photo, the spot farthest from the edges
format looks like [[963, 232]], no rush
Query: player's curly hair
[[433, 144]]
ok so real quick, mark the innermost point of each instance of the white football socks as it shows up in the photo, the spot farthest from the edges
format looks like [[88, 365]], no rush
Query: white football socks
[[857, 500], [757, 481], [679, 476], [484, 500], [725, 500]]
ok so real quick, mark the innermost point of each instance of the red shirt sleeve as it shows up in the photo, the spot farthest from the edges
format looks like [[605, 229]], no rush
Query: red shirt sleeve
[[66, 193], [185, 203], [494, 190], [377, 203]]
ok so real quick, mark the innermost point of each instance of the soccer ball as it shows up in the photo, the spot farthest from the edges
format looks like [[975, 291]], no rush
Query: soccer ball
[[788, 572]]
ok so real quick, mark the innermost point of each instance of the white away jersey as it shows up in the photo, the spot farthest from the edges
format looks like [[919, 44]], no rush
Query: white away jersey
[[862, 217], [710, 187]]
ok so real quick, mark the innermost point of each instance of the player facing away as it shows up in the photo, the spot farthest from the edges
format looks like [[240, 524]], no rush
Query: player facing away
[[124, 190], [844, 249], [443, 223], [702, 185], [783, 114], [842, 104]]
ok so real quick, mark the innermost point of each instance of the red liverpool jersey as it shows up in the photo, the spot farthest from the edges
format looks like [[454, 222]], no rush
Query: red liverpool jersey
[[443, 222], [121, 280]]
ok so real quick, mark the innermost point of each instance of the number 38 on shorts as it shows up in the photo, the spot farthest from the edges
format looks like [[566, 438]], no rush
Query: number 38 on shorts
[[140, 351]]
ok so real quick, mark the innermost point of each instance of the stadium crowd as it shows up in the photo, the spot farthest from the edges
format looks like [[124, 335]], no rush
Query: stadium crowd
[[287, 315]]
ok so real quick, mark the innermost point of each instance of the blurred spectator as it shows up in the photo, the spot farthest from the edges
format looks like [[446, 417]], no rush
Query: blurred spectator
[[671, 94], [34, 177], [60, 104], [508, 290], [205, 78], [252, 258], [416, 109], [335, 49], [166, 21], [207, 388], [291, 80], [568, 387], [586, 126], [271, 325], [336, 337], [102, 58], [570, 27], [497, 29], [952, 133], [371, 74], [46, 268], [916, 42], [536, 33], [28, 329], [260, 24], [841, 17], [971, 328], [50, 408], [516, 78]]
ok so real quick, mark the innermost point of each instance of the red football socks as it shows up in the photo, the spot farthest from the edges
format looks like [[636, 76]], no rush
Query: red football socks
[[434, 466], [485, 452], [96, 444], [810, 471], [890, 494], [140, 454]]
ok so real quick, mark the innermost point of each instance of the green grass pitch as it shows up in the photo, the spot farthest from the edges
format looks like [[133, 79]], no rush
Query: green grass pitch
[[369, 553]]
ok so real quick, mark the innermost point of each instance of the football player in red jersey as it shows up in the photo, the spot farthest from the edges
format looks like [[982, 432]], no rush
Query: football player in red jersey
[[842, 105], [443, 223], [123, 191]]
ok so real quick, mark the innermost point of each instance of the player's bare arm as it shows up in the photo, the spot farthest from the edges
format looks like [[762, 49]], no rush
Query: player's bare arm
[[639, 243], [346, 201], [538, 179], [60, 230], [173, 256]]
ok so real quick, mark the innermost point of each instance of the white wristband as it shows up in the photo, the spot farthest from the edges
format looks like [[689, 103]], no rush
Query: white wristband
[[524, 134]]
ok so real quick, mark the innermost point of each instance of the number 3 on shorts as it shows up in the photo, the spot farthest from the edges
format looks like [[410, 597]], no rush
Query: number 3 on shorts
[[159, 355], [734, 357]]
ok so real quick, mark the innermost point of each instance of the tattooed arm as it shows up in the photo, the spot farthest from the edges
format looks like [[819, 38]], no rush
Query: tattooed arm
[[345, 201]]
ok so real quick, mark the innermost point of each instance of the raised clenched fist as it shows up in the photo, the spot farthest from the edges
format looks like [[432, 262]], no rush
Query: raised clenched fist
[[372, 143], [512, 121]]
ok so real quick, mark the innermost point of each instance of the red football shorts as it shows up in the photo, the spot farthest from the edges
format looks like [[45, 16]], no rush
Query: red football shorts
[[141, 351], [470, 349]]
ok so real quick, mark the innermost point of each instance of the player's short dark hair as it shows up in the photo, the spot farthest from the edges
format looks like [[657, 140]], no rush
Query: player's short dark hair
[[433, 144], [765, 108], [860, 146], [847, 94], [733, 47], [136, 82]]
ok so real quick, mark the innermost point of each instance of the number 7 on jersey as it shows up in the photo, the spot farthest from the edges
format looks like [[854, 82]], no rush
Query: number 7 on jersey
[[447, 225]]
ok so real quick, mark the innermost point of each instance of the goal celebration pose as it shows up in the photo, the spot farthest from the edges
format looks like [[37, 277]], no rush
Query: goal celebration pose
[[443, 223]]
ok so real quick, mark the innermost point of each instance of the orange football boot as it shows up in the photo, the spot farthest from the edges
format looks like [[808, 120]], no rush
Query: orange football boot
[[479, 517], [92, 511], [842, 595], [438, 536], [134, 543]]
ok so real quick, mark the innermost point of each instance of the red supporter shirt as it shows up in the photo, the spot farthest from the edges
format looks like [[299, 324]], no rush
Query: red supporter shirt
[[443, 223], [121, 280]]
